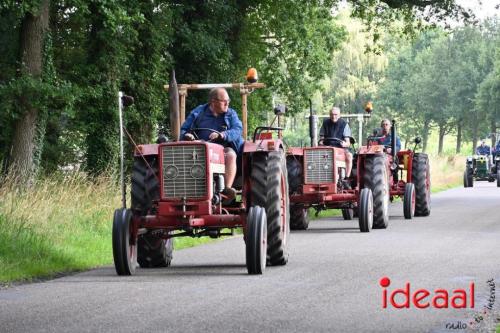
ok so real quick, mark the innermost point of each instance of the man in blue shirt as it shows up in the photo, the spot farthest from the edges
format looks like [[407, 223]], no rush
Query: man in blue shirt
[[336, 127], [218, 116], [385, 138], [483, 149]]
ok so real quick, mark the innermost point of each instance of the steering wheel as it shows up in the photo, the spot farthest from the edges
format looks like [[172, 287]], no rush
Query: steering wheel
[[193, 131], [336, 142]]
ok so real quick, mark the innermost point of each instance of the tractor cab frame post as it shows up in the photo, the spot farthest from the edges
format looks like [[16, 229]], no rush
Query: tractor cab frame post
[[244, 88]]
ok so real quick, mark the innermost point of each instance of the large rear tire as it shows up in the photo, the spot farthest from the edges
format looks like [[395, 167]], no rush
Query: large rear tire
[[124, 247], [421, 176], [365, 210], [299, 217], [270, 190], [152, 251], [409, 201], [347, 213], [294, 171], [498, 177], [256, 240], [376, 178]]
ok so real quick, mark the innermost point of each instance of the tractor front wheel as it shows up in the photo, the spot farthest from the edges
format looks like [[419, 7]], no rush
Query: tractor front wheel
[[124, 247], [409, 201], [256, 240], [365, 210]]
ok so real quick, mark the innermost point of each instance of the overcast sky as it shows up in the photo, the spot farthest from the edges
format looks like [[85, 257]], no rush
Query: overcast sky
[[483, 10]]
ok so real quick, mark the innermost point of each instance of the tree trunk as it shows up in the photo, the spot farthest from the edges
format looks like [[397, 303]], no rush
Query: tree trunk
[[33, 30], [442, 132], [459, 137], [475, 130], [425, 135]]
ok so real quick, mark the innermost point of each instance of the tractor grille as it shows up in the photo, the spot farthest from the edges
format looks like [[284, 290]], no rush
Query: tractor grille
[[184, 171], [318, 165]]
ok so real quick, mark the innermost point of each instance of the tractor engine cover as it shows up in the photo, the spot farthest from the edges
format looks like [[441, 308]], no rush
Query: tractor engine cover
[[188, 169]]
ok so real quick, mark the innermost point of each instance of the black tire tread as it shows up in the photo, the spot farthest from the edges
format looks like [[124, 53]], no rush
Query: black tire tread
[[267, 171], [376, 179], [420, 173]]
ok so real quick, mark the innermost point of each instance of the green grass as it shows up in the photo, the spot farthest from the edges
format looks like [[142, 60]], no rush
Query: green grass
[[61, 225]]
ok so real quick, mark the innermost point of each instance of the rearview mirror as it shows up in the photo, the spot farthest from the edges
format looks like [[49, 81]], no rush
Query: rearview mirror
[[280, 110], [417, 140], [127, 100]]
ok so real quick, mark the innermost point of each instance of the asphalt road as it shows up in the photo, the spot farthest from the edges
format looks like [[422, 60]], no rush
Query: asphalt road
[[331, 283]]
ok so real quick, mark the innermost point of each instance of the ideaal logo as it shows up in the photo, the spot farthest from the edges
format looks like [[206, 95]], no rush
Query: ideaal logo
[[423, 298]]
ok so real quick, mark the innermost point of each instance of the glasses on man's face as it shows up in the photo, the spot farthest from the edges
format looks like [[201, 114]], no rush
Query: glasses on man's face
[[386, 124], [335, 114], [223, 101]]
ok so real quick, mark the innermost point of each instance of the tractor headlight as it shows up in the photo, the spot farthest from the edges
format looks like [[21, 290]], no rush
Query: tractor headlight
[[171, 171], [310, 166], [197, 171], [326, 166]]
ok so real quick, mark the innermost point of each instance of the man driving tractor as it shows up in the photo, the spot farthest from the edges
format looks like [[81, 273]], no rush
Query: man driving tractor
[[216, 121], [385, 133], [337, 128]]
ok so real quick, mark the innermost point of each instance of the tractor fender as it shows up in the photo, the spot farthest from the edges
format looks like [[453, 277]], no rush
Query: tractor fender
[[146, 150]]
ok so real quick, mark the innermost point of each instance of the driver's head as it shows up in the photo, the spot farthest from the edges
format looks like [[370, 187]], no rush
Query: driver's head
[[483, 142], [335, 114], [218, 100], [386, 126]]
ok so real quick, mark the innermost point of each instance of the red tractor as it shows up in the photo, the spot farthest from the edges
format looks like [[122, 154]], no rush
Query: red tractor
[[177, 192], [317, 180], [409, 176]]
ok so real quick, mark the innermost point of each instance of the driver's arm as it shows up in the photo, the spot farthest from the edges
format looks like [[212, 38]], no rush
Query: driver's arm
[[347, 134], [188, 123], [235, 128]]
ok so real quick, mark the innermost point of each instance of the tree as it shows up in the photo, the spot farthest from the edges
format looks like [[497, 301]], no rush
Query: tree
[[34, 27]]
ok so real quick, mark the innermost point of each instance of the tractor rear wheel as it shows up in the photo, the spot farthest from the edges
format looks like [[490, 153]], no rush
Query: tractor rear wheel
[[295, 171], [409, 201], [270, 190], [365, 210], [124, 248], [421, 176], [299, 217], [498, 177], [347, 213], [376, 178], [152, 251], [256, 240]]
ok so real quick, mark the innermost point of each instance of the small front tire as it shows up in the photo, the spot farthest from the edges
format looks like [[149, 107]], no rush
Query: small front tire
[[124, 247], [365, 210], [256, 240], [409, 201]]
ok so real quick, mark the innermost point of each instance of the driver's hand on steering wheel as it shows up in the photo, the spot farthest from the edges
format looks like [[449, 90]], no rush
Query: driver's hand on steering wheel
[[388, 150], [215, 136], [188, 137]]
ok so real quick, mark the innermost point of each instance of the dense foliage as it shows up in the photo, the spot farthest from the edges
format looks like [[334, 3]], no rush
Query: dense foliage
[[61, 87]]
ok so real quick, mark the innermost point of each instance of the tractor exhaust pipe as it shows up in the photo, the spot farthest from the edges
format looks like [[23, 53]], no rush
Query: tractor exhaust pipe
[[123, 101], [393, 140], [173, 97], [313, 126]]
